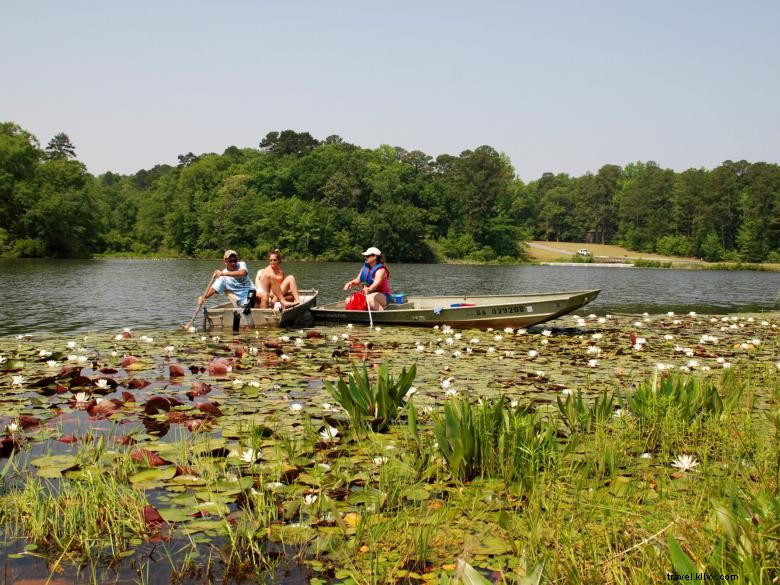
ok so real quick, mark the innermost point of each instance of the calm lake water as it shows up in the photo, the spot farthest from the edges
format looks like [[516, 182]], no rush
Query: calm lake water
[[62, 296]]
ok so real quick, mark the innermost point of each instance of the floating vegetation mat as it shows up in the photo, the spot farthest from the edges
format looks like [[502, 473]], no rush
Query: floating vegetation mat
[[590, 449]]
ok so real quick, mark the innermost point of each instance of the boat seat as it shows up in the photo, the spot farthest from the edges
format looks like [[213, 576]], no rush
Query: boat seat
[[396, 306]]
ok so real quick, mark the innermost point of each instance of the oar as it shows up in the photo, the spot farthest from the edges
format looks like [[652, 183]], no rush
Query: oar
[[195, 314], [368, 306]]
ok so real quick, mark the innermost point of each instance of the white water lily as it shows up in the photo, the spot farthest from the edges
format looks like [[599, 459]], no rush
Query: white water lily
[[114, 353], [708, 339], [323, 467], [693, 363], [284, 357], [474, 340], [254, 350], [329, 434], [3, 359], [18, 381], [409, 393], [147, 339], [446, 328], [102, 384], [532, 353], [273, 485], [309, 499], [377, 329], [12, 427], [508, 330], [547, 333], [593, 349], [544, 341], [82, 397], [439, 351], [169, 349], [581, 323], [52, 363], [498, 337], [692, 314], [597, 336], [238, 383], [254, 384], [44, 353], [451, 392], [592, 363], [540, 373], [248, 455], [296, 407], [509, 354], [349, 325], [335, 338], [192, 329], [755, 342], [456, 354], [676, 322], [668, 337], [284, 338], [449, 341], [380, 460], [491, 349], [72, 344], [446, 383], [645, 456], [566, 392], [299, 342], [670, 314], [638, 324], [662, 367], [419, 347], [685, 463]]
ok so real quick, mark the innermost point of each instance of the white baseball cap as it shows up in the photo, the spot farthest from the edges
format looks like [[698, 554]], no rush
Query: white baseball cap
[[372, 251]]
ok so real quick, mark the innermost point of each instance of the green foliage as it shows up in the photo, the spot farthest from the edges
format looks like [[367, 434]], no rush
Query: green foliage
[[579, 418], [674, 245], [668, 407], [377, 405], [494, 441], [646, 263], [326, 199]]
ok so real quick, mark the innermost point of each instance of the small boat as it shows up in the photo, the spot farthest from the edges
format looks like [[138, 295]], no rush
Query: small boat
[[226, 315], [497, 311]]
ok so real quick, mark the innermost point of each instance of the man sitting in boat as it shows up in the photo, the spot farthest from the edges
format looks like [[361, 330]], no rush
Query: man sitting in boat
[[375, 278], [233, 280], [273, 287]]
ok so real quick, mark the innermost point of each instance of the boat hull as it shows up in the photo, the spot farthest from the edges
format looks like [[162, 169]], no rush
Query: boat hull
[[222, 316], [497, 311]]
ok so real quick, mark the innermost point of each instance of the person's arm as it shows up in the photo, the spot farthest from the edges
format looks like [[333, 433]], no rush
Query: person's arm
[[354, 282], [237, 273], [209, 293]]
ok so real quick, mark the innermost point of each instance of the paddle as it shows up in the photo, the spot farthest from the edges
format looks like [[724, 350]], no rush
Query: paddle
[[368, 306], [195, 314]]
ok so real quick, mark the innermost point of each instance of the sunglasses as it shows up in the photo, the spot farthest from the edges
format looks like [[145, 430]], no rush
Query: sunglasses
[[231, 260]]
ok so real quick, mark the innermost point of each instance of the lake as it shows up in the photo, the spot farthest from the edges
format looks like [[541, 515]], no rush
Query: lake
[[63, 296]]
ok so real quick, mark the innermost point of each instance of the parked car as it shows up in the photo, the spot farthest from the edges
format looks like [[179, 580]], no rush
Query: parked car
[[583, 252]]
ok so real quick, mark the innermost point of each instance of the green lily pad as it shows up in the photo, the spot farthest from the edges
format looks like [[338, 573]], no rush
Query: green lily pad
[[153, 475], [51, 466]]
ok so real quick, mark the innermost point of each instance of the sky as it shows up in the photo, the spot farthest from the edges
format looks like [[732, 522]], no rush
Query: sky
[[558, 86]]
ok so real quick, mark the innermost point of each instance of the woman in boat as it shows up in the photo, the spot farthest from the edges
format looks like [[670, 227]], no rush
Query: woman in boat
[[375, 278], [273, 286]]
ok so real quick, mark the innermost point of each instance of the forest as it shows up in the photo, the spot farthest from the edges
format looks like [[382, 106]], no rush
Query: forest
[[327, 199]]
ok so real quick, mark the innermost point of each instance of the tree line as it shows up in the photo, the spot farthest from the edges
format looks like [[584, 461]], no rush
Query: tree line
[[329, 199]]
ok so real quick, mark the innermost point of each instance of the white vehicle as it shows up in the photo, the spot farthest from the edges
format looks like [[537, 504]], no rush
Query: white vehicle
[[583, 252]]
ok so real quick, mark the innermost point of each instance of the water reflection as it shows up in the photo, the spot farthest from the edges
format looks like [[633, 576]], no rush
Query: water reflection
[[91, 295]]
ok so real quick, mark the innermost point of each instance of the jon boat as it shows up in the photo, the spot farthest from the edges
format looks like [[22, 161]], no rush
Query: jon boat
[[227, 315], [497, 311]]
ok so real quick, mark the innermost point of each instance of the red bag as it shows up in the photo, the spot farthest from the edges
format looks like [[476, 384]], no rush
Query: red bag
[[356, 302]]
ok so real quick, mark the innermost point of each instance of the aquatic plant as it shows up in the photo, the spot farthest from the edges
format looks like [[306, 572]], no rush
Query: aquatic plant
[[374, 404], [492, 440], [578, 417]]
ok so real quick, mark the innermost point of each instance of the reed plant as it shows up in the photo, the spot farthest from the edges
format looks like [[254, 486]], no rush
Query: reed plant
[[80, 519], [375, 404], [493, 440]]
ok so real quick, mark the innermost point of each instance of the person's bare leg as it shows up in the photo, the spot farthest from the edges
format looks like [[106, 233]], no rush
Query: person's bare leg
[[262, 299], [272, 285], [290, 287], [377, 301]]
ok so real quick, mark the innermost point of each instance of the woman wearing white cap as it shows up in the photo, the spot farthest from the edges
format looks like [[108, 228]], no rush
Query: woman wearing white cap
[[375, 278]]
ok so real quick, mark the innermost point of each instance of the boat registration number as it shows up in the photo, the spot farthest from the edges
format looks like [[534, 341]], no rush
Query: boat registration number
[[504, 310]]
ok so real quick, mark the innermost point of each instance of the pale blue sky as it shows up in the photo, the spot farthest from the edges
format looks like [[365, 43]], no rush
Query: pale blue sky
[[559, 86]]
